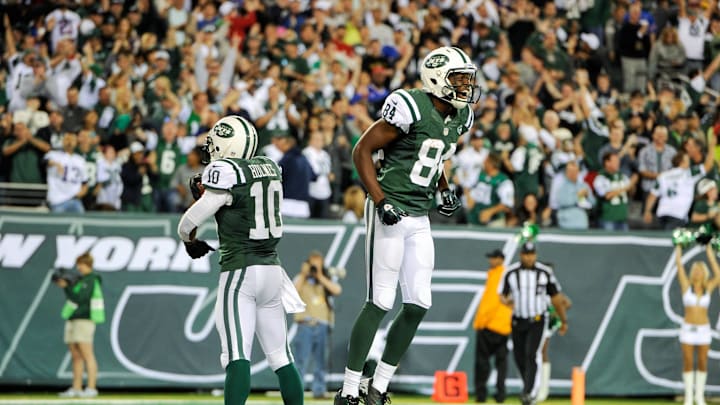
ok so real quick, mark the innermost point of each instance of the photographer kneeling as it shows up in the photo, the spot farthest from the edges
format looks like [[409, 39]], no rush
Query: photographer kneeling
[[83, 309], [315, 286]]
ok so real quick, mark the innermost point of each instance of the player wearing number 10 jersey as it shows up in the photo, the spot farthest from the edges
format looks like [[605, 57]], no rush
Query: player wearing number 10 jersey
[[244, 193], [418, 131]]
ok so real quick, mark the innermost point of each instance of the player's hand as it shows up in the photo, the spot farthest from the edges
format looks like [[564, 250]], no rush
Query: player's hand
[[563, 329], [197, 248], [388, 213], [196, 187], [450, 203]]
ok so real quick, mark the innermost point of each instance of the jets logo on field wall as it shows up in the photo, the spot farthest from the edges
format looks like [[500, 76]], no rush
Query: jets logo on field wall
[[160, 327]]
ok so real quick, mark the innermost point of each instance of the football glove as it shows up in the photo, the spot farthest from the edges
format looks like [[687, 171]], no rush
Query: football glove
[[197, 248], [388, 213], [196, 187], [450, 203]]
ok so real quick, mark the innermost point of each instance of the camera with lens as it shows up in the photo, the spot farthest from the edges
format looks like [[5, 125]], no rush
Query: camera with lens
[[313, 271], [65, 274]]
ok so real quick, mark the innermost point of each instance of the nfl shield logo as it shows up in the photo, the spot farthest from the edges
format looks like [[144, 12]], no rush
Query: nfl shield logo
[[446, 131]]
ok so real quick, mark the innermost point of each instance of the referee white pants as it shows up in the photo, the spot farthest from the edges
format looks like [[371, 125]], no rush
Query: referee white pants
[[402, 253], [249, 302]]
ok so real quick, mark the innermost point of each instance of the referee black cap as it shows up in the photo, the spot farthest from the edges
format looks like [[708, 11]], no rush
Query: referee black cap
[[528, 247], [497, 253]]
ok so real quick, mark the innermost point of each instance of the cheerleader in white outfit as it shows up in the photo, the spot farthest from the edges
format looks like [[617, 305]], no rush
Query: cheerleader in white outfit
[[695, 334]]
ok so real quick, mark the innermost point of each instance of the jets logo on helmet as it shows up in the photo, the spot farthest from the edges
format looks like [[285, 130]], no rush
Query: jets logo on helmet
[[230, 137], [223, 130], [448, 74], [436, 61]]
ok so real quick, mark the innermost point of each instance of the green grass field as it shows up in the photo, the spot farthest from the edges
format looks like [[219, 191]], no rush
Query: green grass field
[[206, 399]]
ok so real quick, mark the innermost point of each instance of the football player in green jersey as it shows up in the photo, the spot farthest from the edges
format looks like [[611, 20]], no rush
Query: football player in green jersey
[[418, 131], [244, 193]]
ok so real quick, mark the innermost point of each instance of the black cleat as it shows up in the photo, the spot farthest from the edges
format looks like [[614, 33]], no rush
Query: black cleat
[[375, 397], [345, 400]]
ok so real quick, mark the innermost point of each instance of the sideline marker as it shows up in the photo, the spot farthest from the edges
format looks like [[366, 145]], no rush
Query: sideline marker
[[450, 387], [577, 395]]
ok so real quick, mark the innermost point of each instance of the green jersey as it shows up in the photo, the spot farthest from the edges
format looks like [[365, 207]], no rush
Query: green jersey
[[615, 209], [489, 192], [24, 164], [193, 124], [90, 166], [699, 169], [249, 227], [595, 137], [412, 164], [526, 161], [703, 207], [169, 158]]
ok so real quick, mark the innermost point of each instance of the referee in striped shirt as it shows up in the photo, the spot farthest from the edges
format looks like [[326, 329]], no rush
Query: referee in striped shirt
[[525, 286]]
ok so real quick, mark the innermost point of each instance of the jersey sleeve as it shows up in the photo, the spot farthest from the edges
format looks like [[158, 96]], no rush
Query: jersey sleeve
[[553, 286], [506, 193], [400, 110], [222, 175], [601, 184], [518, 158], [83, 166], [51, 155]]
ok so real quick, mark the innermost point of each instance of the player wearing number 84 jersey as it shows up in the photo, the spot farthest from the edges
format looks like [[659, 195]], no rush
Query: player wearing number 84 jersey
[[244, 193], [418, 131]]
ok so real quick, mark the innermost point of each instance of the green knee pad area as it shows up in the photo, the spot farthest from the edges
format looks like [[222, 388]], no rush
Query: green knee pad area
[[363, 333], [402, 332], [237, 382]]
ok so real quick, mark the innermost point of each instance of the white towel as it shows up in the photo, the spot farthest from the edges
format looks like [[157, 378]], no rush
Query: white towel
[[292, 303]]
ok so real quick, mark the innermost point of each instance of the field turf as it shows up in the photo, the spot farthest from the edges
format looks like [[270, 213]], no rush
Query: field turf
[[206, 399]]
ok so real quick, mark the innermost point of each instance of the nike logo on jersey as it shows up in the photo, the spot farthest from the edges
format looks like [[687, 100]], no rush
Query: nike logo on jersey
[[383, 172]]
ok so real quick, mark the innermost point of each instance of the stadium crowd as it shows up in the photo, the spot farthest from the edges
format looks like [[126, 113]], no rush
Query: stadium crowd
[[593, 112]]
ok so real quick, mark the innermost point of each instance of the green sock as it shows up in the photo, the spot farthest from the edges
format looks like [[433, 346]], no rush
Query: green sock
[[363, 333], [237, 382], [402, 332], [291, 388]]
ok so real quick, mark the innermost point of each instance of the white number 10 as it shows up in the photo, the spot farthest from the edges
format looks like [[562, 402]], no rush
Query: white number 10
[[274, 221]]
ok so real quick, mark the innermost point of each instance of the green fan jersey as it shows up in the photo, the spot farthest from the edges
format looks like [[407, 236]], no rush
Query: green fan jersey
[[527, 161], [412, 164], [615, 209], [90, 166], [250, 227], [596, 136], [489, 192], [169, 158]]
